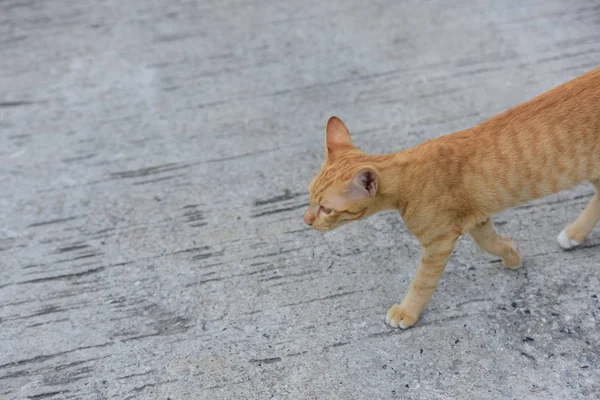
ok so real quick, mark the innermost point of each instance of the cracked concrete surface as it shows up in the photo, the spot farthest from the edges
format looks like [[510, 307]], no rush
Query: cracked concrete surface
[[154, 158]]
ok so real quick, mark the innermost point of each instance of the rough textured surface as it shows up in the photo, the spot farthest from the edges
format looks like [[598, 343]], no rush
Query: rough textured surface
[[154, 158]]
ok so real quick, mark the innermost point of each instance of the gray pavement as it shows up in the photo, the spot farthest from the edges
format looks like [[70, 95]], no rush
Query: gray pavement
[[154, 158]]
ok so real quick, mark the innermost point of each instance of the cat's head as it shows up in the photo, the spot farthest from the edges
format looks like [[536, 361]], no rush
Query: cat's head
[[346, 187]]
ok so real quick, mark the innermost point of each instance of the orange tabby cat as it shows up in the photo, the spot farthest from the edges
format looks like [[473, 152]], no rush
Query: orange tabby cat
[[452, 185]]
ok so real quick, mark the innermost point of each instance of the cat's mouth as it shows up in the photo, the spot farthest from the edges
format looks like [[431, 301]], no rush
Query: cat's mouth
[[320, 228]]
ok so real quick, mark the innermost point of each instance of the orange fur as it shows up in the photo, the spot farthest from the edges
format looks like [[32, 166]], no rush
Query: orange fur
[[452, 185]]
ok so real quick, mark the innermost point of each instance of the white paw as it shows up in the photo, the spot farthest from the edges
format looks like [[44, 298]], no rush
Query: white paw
[[565, 242], [397, 318], [395, 324]]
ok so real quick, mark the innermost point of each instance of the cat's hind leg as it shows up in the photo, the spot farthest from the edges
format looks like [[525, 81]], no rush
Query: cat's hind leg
[[574, 234], [488, 240]]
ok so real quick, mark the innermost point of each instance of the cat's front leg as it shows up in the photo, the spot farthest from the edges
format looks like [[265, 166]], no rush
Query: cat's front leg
[[433, 262]]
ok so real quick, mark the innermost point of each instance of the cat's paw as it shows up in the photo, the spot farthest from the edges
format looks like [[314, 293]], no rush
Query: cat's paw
[[511, 258], [564, 241], [399, 317]]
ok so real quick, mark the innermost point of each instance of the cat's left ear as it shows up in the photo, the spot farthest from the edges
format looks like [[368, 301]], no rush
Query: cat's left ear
[[364, 184], [337, 139]]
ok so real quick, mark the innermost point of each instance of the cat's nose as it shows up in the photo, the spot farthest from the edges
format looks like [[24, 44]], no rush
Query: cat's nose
[[309, 218]]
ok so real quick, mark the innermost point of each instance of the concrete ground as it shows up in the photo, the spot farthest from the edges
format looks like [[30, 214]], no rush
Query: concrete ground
[[154, 158]]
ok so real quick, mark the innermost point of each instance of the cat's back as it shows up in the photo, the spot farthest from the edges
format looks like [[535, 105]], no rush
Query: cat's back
[[574, 105], [548, 144]]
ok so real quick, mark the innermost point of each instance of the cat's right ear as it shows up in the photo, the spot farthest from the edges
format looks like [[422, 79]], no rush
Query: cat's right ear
[[337, 139]]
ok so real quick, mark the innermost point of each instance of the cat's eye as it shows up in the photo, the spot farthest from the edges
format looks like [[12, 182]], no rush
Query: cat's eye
[[326, 210]]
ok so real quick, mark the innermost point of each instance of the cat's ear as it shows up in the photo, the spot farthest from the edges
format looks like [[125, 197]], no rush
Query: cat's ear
[[337, 139], [364, 184]]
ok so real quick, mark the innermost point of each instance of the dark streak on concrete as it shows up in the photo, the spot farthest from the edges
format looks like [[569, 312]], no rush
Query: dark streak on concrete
[[287, 195], [260, 361], [7, 104], [158, 169], [333, 296], [204, 256], [45, 395], [73, 248], [280, 210], [80, 257], [54, 321], [52, 221], [64, 276], [78, 158], [41, 358], [164, 178], [192, 250]]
